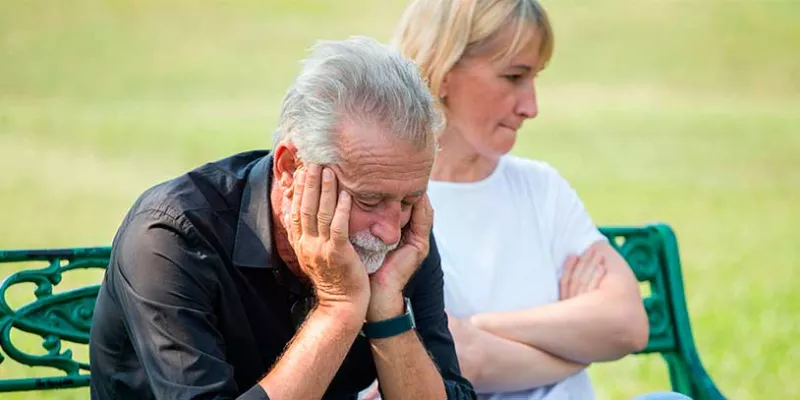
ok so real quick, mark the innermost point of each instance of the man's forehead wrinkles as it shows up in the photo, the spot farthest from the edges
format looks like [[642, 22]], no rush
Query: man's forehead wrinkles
[[379, 169], [367, 173], [367, 190], [359, 152]]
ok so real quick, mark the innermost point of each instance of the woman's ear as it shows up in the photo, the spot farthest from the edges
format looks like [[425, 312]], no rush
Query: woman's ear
[[285, 163], [444, 86]]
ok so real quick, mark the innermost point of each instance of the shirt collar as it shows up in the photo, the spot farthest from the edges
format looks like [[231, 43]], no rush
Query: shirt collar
[[253, 245]]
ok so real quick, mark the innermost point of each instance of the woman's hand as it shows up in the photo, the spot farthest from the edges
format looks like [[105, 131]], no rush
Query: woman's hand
[[582, 274]]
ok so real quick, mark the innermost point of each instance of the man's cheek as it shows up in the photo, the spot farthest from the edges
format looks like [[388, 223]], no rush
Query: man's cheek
[[359, 220]]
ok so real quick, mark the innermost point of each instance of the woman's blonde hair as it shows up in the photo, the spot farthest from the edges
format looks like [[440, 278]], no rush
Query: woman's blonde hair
[[437, 34]]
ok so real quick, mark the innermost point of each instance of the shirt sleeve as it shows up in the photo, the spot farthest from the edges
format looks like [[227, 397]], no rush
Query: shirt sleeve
[[163, 276], [431, 320], [572, 229]]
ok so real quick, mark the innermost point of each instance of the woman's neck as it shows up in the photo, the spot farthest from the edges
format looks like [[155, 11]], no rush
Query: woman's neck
[[456, 161]]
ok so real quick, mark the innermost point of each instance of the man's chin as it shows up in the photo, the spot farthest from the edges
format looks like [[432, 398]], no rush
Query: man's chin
[[373, 263], [371, 269]]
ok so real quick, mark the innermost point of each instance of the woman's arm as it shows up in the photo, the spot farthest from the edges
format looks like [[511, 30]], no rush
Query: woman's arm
[[495, 364], [600, 325]]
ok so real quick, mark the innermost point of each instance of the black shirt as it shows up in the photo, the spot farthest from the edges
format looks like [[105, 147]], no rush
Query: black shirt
[[196, 304]]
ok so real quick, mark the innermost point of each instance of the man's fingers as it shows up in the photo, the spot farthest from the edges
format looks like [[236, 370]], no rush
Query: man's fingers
[[421, 218], [296, 223], [566, 277], [327, 202], [287, 212], [419, 225], [310, 205], [340, 225]]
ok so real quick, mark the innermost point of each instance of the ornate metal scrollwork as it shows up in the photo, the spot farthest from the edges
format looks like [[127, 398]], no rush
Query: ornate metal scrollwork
[[55, 318], [641, 250]]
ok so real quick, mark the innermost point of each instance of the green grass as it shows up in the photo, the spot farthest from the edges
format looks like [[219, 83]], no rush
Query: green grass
[[678, 111]]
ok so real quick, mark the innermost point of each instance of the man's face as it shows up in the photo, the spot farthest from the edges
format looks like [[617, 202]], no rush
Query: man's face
[[386, 177]]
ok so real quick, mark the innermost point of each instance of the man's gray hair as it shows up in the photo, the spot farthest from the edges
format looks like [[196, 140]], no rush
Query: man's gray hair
[[357, 80]]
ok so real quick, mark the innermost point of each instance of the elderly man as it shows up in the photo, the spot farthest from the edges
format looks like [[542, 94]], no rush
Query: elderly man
[[301, 273]]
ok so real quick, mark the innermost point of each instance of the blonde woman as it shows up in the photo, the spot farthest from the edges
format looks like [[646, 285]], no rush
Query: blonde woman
[[534, 292]]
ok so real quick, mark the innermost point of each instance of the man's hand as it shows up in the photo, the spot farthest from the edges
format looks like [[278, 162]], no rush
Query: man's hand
[[581, 275], [317, 229], [387, 284], [317, 226]]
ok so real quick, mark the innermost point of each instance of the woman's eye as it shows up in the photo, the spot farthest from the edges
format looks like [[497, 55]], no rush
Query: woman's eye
[[514, 78]]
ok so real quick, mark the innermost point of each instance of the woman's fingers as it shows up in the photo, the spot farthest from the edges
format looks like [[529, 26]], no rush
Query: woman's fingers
[[566, 277]]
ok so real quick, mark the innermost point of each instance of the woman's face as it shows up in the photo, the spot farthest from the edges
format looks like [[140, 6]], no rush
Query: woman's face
[[487, 101]]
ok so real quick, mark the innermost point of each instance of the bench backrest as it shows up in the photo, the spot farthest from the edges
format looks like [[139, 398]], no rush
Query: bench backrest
[[652, 253], [56, 318], [651, 250]]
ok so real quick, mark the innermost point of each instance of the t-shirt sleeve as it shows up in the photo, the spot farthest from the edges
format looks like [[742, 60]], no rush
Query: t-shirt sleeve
[[571, 227]]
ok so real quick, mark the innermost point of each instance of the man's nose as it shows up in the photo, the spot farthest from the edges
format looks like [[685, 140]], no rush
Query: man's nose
[[387, 226]]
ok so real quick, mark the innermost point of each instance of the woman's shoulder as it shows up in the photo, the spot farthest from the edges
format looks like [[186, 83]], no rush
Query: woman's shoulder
[[530, 169]]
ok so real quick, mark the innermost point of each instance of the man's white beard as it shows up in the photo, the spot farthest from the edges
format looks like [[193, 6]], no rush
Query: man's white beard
[[371, 250]]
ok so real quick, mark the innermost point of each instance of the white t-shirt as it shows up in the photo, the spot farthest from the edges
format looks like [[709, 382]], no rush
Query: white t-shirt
[[503, 242]]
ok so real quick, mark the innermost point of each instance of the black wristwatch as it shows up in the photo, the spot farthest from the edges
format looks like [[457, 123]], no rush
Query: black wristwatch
[[390, 327]]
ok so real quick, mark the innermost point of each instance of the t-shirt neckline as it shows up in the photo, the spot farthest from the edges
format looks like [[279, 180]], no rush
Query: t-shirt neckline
[[476, 184]]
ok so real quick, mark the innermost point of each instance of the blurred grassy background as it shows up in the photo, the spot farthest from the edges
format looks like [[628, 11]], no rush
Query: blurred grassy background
[[681, 111]]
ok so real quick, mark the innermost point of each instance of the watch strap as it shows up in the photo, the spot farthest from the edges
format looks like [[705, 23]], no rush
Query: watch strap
[[392, 326]]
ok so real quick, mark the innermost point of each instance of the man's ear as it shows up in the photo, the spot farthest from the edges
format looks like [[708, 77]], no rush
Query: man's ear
[[285, 163]]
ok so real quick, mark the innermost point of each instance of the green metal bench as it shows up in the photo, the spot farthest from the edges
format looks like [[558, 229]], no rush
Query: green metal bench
[[651, 250]]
